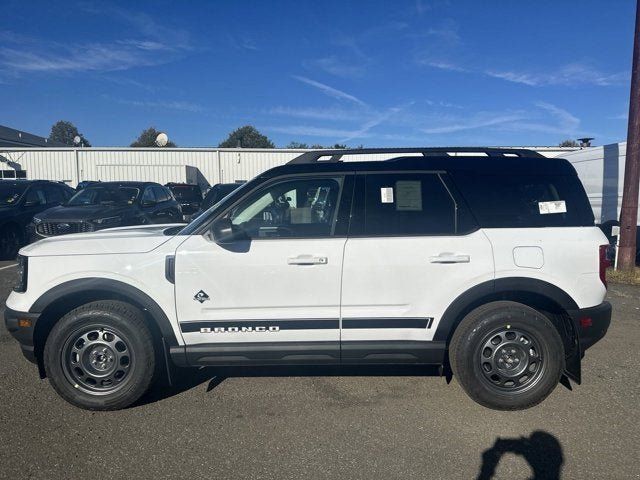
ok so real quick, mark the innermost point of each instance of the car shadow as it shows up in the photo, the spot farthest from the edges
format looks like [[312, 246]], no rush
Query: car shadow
[[542, 451], [183, 379]]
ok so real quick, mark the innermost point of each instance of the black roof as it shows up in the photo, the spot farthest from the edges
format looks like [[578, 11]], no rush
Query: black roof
[[24, 181], [124, 184], [475, 161], [10, 137]]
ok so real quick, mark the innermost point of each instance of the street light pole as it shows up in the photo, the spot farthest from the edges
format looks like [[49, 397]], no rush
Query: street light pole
[[629, 210]]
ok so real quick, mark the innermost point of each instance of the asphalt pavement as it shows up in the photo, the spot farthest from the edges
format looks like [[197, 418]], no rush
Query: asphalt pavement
[[329, 423]]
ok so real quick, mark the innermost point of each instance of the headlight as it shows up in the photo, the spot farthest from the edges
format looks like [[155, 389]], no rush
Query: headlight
[[23, 272], [108, 220], [37, 220]]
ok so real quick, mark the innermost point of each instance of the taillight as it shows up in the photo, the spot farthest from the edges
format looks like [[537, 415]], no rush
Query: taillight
[[604, 263]]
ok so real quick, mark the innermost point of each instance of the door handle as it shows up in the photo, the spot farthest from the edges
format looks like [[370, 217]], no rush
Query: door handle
[[307, 260], [447, 257]]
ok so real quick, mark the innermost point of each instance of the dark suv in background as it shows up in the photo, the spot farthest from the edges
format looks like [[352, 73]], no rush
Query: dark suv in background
[[20, 200], [189, 196], [108, 205], [215, 194]]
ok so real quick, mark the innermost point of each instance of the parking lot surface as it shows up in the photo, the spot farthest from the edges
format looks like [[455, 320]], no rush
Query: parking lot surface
[[329, 423]]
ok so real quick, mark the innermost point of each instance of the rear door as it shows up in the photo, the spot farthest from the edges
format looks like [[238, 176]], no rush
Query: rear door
[[412, 249], [276, 296]]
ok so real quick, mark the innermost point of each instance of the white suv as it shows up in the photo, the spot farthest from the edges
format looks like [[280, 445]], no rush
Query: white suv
[[485, 262]]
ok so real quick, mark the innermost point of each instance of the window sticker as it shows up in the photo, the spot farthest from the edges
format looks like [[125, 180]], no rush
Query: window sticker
[[409, 194], [558, 206], [386, 194]]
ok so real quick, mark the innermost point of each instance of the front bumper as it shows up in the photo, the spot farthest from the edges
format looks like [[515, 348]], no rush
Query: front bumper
[[21, 326], [591, 324]]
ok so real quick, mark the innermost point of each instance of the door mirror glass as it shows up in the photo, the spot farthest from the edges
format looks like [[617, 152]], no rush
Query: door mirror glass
[[223, 231]]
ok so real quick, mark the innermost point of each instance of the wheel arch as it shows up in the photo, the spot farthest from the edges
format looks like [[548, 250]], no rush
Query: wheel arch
[[545, 297], [61, 299]]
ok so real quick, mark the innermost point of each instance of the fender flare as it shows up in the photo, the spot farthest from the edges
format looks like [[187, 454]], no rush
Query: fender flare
[[94, 284], [453, 314]]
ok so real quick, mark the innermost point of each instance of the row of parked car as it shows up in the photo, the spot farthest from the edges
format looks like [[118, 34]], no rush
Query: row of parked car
[[34, 209]]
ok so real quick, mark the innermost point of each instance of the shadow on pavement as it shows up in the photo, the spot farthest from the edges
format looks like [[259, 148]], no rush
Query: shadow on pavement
[[184, 379], [541, 450]]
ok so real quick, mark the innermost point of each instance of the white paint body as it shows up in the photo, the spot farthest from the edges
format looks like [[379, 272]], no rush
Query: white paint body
[[362, 277]]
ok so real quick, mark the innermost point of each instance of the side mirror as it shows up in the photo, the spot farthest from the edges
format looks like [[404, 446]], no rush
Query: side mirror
[[223, 231]]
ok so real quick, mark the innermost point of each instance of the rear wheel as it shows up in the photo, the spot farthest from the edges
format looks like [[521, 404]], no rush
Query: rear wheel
[[9, 242], [507, 356], [100, 356]]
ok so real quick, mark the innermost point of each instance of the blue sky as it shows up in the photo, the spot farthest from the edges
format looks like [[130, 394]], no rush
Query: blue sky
[[378, 73]]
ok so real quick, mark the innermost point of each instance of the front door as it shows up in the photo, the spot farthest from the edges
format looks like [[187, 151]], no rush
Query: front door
[[274, 297]]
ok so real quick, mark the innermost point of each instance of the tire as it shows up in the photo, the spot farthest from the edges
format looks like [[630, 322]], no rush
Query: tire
[[507, 356], [100, 356], [9, 242]]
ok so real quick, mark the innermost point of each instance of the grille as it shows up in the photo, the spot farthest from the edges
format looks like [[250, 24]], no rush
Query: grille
[[50, 229]]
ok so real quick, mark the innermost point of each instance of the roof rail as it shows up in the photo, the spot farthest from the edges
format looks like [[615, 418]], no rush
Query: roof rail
[[336, 155]]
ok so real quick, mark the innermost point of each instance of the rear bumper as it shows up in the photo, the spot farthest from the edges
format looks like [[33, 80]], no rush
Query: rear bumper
[[21, 326], [591, 324]]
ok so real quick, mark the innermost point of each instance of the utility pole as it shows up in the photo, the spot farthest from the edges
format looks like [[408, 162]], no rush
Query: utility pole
[[629, 210]]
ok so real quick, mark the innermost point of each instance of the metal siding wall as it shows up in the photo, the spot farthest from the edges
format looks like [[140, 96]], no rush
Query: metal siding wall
[[160, 166], [45, 164], [244, 165]]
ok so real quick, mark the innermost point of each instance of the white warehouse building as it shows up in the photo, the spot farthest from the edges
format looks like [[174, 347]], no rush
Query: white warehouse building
[[205, 166]]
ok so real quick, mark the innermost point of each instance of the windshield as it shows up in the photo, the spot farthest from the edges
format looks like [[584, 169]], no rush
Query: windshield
[[105, 195], [187, 192], [10, 194]]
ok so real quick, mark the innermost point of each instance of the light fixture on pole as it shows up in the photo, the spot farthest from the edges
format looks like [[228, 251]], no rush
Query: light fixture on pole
[[162, 139]]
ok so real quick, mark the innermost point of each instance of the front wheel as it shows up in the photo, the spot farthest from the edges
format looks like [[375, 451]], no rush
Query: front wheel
[[100, 356], [507, 356]]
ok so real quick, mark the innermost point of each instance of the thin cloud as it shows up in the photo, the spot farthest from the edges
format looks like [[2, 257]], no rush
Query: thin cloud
[[21, 54], [311, 131], [573, 74], [363, 131], [330, 91], [452, 67], [338, 67], [333, 114], [164, 105], [243, 43], [568, 75], [473, 124]]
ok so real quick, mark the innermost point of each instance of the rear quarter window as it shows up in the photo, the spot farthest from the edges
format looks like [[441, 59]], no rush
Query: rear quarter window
[[508, 200]]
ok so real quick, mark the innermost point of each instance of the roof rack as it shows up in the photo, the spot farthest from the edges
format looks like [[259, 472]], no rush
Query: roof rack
[[336, 155]]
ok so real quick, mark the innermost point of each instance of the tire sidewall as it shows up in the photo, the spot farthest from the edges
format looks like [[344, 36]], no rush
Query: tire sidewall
[[469, 369], [139, 342]]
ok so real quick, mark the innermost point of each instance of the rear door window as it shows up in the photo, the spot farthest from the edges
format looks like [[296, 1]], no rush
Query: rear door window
[[406, 204]]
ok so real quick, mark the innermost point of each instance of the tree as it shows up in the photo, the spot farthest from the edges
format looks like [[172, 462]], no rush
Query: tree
[[246, 137], [148, 139], [64, 132], [568, 143], [297, 145]]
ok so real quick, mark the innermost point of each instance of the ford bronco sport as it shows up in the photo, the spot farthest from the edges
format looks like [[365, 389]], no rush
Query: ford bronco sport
[[485, 262]]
